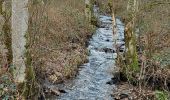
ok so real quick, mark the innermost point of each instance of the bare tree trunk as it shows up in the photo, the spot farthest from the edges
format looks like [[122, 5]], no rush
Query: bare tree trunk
[[19, 29], [114, 23], [88, 10], [130, 37]]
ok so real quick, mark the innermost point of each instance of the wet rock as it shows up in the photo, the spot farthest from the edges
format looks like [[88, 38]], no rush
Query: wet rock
[[118, 77], [123, 44], [121, 50], [62, 91], [107, 40], [108, 50], [110, 19], [80, 67], [107, 28], [113, 81], [123, 40], [102, 26]]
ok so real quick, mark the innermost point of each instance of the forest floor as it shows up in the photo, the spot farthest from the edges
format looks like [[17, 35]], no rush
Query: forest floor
[[153, 52], [59, 32], [59, 47], [62, 42]]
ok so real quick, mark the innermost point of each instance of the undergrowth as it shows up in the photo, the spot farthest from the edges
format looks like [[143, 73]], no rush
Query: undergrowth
[[59, 33], [152, 29]]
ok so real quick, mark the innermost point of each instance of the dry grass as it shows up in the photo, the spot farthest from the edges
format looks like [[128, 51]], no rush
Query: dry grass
[[132, 93], [105, 6], [153, 24], [58, 33]]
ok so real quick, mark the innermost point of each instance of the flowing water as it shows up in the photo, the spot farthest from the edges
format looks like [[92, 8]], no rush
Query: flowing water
[[90, 83]]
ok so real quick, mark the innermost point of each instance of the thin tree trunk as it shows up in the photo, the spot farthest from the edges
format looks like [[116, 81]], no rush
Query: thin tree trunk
[[130, 37], [114, 22], [19, 29], [88, 10]]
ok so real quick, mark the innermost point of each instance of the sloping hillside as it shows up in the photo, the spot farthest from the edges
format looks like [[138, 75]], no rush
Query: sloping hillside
[[60, 38]]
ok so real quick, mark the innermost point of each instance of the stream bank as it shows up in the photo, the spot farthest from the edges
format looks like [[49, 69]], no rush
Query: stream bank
[[91, 81]]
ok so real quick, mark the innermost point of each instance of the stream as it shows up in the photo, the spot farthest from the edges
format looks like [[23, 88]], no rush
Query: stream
[[90, 83]]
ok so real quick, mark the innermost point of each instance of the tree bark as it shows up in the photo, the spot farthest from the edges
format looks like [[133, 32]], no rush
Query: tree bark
[[19, 29], [88, 10], [130, 37]]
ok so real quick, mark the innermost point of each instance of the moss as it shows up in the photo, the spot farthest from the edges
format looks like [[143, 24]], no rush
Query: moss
[[28, 89], [30, 84], [162, 95], [135, 64], [94, 21], [131, 54], [87, 6], [7, 37], [131, 67]]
